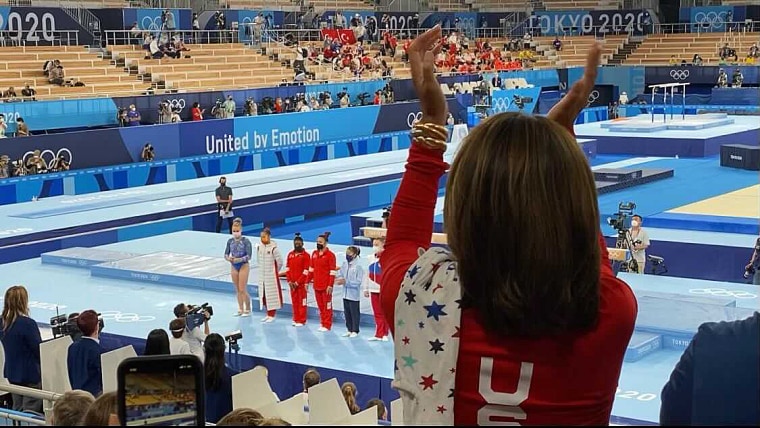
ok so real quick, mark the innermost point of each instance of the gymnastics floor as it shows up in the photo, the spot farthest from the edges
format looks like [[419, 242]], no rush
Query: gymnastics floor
[[133, 308]]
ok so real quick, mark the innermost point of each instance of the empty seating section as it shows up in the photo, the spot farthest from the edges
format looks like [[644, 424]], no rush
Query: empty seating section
[[500, 5], [574, 49], [741, 2], [658, 48], [22, 65], [447, 5], [339, 4], [581, 4], [206, 67]]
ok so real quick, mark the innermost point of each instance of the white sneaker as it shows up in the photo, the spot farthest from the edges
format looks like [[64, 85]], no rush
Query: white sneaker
[[297, 324], [346, 334], [352, 335], [264, 319], [245, 314], [322, 329], [374, 339], [269, 319], [384, 339], [237, 314]]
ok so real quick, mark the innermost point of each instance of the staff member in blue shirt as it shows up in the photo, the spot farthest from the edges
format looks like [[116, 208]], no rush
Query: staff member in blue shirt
[[717, 381], [84, 356], [21, 341], [350, 276]]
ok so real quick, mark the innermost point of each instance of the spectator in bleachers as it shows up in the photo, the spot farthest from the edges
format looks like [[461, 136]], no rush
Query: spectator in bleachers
[[10, 94], [349, 394], [169, 49], [310, 378], [274, 422], [133, 116], [527, 39], [557, 43], [727, 52], [29, 93], [154, 49], [382, 415], [134, 34], [3, 126], [339, 20], [104, 411], [157, 343], [521, 327], [754, 51], [48, 66], [218, 379], [56, 75], [177, 345], [21, 129], [696, 60], [69, 410], [21, 341], [83, 360], [716, 381], [242, 418], [169, 24], [749, 60], [673, 60]]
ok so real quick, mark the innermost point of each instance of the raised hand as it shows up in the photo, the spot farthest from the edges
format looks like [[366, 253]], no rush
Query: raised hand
[[422, 54], [567, 110]]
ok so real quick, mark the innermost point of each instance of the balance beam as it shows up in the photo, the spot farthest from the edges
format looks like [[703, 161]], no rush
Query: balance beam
[[616, 254]]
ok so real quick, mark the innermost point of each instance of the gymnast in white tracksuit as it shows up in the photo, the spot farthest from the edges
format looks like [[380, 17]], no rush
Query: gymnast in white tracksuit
[[270, 263]]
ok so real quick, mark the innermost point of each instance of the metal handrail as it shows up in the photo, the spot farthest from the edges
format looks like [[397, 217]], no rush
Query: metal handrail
[[21, 418], [30, 392]]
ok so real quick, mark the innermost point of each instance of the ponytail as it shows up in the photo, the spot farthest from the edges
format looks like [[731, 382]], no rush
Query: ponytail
[[238, 221], [266, 231], [325, 236], [349, 394], [298, 237]]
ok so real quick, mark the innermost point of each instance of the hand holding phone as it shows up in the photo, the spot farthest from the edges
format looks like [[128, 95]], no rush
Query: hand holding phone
[[161, 390]]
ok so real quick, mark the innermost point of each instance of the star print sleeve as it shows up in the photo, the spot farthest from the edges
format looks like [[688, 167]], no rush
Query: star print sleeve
[[411, 223]]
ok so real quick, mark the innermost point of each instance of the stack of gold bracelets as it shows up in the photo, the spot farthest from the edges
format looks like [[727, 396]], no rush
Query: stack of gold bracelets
[[430, 135]]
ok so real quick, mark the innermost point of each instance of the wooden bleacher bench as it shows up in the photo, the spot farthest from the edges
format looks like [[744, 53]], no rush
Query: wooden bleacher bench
[[616, 254]]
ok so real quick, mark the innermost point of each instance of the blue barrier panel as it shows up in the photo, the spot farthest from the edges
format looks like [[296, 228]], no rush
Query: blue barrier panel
[[706, 75], [60, 114], [150, 19], [709, 18], [504, 100], [40, 26]]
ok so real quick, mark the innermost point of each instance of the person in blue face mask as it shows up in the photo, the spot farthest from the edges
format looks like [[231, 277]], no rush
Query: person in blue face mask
[[350, 276]]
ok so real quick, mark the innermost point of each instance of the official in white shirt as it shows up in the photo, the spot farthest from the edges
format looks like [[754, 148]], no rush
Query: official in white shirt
[[178, 345]]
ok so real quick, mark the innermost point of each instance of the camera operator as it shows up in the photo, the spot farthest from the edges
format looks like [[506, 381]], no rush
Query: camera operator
[[640, 240], [59, 164], [147, 154], [164, 112], [83, 360], [752, 268], [193, 335], [121, 117], [250, 108], [218, 109]]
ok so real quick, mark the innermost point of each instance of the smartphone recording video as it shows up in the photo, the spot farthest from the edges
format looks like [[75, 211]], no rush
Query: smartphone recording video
[[162, 390]]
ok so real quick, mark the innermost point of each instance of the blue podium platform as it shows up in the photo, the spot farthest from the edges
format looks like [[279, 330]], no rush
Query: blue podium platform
[[264, 197], [632, 136]]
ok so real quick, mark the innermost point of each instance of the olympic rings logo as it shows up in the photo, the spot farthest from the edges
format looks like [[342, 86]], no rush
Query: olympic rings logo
[[48, 154], [125, 317], [500, 105], [722, 292], [593, 96], [413, 118], [152, 24], [679, 74], [710, 19], [177, 104]]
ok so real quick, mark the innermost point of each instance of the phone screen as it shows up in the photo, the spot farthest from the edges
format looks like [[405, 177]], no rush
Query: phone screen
[[161, 392]]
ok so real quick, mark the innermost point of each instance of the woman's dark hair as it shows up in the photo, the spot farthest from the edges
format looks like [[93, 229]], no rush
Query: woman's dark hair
[[298, 237], [157, 343], [325, 236], [266, 231], [524, 272], [213, 362], [354, 249]]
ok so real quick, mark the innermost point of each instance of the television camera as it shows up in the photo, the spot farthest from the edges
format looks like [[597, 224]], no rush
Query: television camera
[[197, 315], [363, 98], [66, 325], [520, 101], [621, 222]]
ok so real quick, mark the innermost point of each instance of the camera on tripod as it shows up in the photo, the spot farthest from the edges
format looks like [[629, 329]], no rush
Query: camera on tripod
[[197, 315], [267, 105], [66, 325], [621, 220], [363, 98], [520, 101]]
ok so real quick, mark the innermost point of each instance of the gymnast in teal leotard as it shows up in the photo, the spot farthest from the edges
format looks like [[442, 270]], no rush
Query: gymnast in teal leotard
[[239, 252]]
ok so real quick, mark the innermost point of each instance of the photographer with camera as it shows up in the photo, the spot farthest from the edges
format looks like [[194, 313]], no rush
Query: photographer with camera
[[59, 164], [147, 154], [83, 360], [194, 316], [752, 267], [250, 108], [640, 241], [164, 112], [121, 117]]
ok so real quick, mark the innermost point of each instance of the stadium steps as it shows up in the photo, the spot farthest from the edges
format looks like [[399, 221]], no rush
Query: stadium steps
[[537, 5], [628, 48]]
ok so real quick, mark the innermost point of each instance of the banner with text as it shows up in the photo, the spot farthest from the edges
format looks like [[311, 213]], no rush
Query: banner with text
[[35, 26], [596, 22]]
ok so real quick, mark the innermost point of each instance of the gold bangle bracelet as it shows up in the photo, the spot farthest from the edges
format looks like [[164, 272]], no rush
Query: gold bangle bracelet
[[430, 143], [433, 128], [431, 133]]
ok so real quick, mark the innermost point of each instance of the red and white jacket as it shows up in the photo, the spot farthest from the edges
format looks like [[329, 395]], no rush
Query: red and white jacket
[[323, 269], [297, 269]]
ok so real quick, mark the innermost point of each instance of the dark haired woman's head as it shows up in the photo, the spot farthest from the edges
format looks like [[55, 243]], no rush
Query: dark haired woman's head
[[525, 271], [157, 343], [213, 362], [265, 235], [352, 252], [322, 240], [298, 242]]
